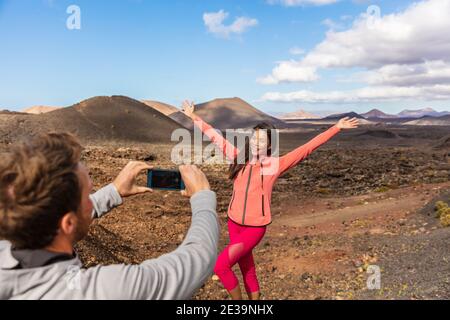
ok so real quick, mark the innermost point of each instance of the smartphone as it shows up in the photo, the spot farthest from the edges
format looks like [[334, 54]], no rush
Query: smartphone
[[165, 179]]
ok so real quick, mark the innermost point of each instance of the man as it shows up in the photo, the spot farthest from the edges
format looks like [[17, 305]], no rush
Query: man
[[46, 208]]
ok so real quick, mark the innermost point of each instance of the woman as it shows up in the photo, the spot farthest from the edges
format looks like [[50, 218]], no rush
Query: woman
[[249, 210]]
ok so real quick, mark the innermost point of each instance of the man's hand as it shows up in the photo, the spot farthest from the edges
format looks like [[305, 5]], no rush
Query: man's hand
[[188, 108], [125, 182], [194, 180], [347, 123]]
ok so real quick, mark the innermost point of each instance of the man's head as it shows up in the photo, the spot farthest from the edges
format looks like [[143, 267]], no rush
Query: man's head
[[44, 192]]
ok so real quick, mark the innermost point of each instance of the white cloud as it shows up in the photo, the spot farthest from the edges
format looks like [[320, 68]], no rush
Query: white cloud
[[427, 73], [290, 71], [214, 21], [366, 94], [296, 3], [332, 25], [404, 38], [346, 17], [296, 51], [337, 25], [403, 53]]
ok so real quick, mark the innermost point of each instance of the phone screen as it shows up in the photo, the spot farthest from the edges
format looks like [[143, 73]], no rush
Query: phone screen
[[165, 180]]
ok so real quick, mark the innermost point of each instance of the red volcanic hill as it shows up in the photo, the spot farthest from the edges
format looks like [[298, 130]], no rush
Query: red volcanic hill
[[164, 108], [418, 113], [40, 109], [115, 118], [233, 113], [431, 121], [375, 113], [298, 115], [172, 112]]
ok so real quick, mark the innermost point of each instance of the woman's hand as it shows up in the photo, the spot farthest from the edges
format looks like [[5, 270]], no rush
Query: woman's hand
[[188, 108], [345, 123]]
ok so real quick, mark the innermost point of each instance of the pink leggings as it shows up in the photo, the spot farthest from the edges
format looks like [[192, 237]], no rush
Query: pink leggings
[[242, 241]]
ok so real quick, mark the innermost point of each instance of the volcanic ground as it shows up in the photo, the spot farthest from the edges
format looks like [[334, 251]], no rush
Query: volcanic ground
[[365, 198]]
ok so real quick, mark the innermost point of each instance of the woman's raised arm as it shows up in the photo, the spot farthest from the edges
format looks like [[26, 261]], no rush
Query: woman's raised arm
[[294, 157], [228, 149]]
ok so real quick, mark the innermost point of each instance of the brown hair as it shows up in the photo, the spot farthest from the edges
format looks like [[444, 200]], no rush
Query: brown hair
[[236, 167], [38, 186]]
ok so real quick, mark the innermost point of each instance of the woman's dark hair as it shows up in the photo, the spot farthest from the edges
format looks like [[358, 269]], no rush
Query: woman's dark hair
[[236, 167]]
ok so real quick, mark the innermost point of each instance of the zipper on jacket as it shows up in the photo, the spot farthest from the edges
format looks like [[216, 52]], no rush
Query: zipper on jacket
[[262, 187], [232, 199], [246, 194], [263, 205]]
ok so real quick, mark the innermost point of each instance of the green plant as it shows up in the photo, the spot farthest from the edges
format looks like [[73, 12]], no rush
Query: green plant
[[443, 213], [382, 189], [445, 220], [440, 204]]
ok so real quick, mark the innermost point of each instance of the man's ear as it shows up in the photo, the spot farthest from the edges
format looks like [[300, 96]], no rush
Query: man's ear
[[68, 223]]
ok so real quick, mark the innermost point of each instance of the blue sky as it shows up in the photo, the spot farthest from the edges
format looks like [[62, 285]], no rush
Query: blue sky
[[165, 50]]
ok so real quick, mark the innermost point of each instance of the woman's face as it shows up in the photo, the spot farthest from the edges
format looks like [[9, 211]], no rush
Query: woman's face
[[259, 143]]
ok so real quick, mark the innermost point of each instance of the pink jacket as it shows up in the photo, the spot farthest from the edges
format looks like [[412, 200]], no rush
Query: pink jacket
[[252, 190]]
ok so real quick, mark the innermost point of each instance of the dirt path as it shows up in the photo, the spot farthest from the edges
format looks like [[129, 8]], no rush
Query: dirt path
[[324, 246], [326, 213], [316, 248]]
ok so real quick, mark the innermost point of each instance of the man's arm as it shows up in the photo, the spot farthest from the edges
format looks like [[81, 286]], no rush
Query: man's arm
[[104, 200], [173, 276], [123, 186], [176, 275], [182, 272]]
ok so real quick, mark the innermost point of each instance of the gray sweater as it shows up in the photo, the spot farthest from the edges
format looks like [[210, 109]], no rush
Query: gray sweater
[[176, 275]]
